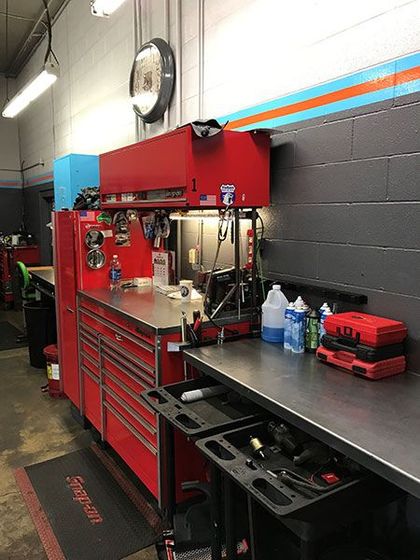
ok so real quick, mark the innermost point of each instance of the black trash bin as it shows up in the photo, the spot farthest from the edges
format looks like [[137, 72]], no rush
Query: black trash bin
[[41, 330]]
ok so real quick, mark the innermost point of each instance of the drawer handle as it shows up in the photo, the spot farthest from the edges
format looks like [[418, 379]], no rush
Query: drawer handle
[[118, 337]]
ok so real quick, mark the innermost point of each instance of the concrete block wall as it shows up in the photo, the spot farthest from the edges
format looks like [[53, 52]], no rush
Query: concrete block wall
[[345, 208]]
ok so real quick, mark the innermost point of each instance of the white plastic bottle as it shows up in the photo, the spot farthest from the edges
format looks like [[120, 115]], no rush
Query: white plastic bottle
[[288, 321], [273, 310], [327, 311]]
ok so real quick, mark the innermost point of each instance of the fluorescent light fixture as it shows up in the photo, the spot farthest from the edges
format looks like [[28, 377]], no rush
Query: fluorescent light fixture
[[30, 91], [104, 8]]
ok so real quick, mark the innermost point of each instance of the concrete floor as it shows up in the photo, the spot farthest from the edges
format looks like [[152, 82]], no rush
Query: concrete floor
[[25, 415]]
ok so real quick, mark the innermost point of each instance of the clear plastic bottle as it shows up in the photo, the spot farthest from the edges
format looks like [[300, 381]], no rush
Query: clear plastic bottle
[[273, 310], [288, 321], [298, 330], [327, 311], [114, 272]]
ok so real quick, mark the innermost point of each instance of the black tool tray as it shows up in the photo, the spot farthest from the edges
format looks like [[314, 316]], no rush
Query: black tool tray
[[204, 417], [231, 452]]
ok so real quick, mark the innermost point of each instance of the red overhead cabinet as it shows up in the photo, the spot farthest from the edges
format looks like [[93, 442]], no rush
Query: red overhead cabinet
[[182, 170]]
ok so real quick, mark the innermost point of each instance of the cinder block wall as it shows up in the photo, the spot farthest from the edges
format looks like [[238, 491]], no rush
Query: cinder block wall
[[345, 208]]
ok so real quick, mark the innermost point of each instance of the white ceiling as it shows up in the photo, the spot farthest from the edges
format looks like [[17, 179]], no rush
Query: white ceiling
[[24, 33]]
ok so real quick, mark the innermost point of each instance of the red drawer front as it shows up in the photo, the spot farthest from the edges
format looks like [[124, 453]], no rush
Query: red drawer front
[[126, 342], [89, 349], [141, 333], [126, 443], [126, 363], [91, 397], [129, 390], [87, 361], [135, 420]]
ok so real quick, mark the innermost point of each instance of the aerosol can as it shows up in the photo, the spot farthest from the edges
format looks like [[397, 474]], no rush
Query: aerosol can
[[327, 311]]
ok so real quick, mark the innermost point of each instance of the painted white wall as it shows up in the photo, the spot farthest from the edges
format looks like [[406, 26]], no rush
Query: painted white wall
[[9, 139], [254, 50]]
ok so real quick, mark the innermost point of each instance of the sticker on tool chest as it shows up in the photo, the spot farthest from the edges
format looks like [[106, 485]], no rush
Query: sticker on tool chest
[[227, 194], [207, 200]]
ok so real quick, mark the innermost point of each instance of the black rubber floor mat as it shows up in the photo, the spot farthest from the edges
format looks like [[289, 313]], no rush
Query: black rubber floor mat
[[84, 507], [8, 336]]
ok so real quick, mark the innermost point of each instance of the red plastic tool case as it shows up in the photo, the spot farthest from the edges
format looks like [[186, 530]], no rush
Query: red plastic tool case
[[370, 370], [362, 328]]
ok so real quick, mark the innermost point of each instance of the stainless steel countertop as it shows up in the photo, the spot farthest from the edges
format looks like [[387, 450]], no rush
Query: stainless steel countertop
[[145, 306], [44, 274], [377, 423]]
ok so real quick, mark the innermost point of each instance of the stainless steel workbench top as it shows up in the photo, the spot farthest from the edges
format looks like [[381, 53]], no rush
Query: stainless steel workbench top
[[377, 423], [44, 274], [145, 306]]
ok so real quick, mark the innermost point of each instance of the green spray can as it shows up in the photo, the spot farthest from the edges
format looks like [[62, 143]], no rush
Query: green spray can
[[312, 332]]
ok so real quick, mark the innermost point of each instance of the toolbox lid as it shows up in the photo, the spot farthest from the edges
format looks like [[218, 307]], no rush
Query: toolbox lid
[[365, 328]]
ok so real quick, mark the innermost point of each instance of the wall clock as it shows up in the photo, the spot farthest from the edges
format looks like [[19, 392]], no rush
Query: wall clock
[[152, 80]]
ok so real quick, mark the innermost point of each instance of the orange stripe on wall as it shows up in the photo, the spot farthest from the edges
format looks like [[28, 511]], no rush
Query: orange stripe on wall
[[339, 95]]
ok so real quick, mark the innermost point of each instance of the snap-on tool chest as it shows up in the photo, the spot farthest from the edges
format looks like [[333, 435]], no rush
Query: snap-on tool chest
[[362, 328]]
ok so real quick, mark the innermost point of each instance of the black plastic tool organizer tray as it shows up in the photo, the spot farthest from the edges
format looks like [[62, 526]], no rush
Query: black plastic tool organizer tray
[[204, 417], [231, 452]]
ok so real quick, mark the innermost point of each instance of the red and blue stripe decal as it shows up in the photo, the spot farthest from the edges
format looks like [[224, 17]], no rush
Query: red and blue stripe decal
[[379, 83], [10, 184]]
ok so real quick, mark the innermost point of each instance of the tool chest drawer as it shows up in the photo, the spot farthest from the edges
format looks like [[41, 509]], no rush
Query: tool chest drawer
[[127, 363], [123, 340], [291, 474], [90, 363], [128, 443], [132, 399], [147, 434], [206, 415], [142, 333], [88, 348], [91, 397]]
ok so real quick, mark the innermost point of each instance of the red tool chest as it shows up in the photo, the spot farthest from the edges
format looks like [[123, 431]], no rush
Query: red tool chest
[[182, 170], [119, 359], [362, 328]]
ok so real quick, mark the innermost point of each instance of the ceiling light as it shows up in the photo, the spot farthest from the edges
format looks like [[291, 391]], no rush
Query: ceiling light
[[104, 8], [30, 91]]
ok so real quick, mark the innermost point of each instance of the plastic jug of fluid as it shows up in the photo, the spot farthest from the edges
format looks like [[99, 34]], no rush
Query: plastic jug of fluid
[[288, 321], [273, 310]]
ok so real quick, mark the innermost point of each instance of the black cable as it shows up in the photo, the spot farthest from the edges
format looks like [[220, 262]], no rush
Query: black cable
[[7, 47], [49, 31]]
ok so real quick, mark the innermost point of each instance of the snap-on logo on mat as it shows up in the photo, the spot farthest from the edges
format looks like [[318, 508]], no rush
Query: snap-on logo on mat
[[80, 495]]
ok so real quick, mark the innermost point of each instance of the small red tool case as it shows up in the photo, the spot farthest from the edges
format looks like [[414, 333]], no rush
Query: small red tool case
[[362, 328], [370, 370], [363, 344]]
